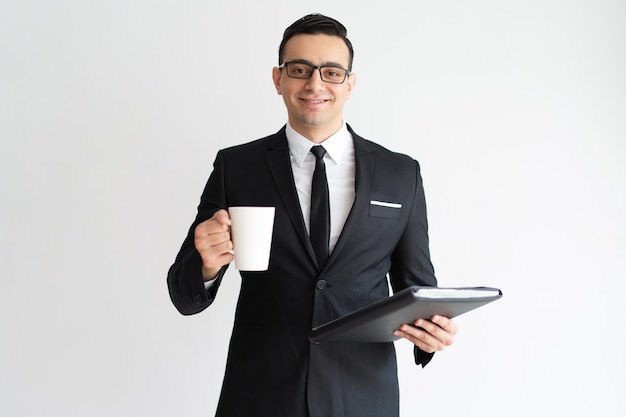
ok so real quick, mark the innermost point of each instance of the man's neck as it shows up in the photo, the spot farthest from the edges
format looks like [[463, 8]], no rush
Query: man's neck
[[316, 134]]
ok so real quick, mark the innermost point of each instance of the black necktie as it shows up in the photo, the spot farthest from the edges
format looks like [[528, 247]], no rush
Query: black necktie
[[320, 208]]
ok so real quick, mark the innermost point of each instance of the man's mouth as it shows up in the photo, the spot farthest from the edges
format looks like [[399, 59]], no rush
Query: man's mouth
[[314, 101]]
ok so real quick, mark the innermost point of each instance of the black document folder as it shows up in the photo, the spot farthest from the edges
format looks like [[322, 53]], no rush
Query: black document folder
[[377, 322]]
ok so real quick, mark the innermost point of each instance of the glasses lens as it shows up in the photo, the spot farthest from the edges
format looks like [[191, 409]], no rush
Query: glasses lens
[[333, 74], [299, 70]]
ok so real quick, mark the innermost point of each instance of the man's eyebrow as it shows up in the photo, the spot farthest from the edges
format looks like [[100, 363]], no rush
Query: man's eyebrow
[[301, 61], [333, 64], [325, 64]]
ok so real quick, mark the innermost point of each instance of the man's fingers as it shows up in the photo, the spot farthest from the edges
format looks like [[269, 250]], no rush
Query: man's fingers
[[222, 217], [445, 323], [442, 329], [217, 224], [418, 337], [430, 336], [212, 240]]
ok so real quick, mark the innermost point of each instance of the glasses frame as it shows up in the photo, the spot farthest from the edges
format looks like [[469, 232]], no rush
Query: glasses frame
[[315, 67]]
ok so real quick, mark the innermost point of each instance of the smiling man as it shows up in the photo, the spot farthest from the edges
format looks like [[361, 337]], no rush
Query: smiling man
[[315, 81], [374, 232]]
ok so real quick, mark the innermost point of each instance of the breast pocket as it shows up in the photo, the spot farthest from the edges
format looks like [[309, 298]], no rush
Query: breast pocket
[[385, 209]]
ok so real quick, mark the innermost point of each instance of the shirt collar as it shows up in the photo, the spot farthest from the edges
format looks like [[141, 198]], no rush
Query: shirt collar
[[335, 145]]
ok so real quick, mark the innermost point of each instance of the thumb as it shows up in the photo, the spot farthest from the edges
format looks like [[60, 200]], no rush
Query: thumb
[[222, 216]]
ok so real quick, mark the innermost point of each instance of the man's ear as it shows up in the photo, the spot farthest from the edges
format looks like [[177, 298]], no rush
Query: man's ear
[[351, 83], [276, 75]]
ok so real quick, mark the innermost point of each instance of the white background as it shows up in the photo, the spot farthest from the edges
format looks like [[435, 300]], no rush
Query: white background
[[111, 113]]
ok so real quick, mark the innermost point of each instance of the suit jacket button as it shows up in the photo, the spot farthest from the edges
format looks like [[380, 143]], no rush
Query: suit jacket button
[[321, 284], [197, 298]]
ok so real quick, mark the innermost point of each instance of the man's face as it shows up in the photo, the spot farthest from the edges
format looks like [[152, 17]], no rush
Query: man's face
[[315, 107]]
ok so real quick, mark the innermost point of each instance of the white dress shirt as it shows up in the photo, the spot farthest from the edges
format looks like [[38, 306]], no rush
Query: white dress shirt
[[340, 166]]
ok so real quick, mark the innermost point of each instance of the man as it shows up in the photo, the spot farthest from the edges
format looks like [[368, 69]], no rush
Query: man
[[378, 228]]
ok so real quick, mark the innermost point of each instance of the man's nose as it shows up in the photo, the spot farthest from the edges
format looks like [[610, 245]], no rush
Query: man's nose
[[315, 81]]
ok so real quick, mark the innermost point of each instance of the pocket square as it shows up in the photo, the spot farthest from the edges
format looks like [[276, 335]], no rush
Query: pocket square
[[385, 204]]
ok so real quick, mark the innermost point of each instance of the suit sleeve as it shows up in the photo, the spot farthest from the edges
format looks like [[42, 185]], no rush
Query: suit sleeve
[[410, 263], [184, 278]]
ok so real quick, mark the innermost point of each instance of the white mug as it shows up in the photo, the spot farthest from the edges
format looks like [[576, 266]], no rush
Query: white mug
[[251, 230]]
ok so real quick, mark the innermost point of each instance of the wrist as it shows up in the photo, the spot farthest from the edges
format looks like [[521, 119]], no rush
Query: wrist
[[209, 274]]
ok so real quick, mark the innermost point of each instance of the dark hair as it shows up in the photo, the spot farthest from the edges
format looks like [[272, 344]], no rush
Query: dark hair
[[314, 24]]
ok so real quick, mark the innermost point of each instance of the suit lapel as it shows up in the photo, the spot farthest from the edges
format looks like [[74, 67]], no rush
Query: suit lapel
[[280, 166], [365, 166]]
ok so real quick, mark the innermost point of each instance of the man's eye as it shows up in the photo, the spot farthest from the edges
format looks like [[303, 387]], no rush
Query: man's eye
[[333, 73], [300, 70]]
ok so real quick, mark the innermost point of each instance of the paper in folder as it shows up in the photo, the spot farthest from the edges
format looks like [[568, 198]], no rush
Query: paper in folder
[[377, 322]]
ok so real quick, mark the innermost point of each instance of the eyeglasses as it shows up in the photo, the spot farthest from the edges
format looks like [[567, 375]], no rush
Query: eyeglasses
[[304, 71]]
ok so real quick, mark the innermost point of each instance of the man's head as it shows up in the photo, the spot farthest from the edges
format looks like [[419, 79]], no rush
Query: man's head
[[314, 75], [314, 24]]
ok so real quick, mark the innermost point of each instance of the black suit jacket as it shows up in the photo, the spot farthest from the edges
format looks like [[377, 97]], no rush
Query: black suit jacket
[[272, 369]]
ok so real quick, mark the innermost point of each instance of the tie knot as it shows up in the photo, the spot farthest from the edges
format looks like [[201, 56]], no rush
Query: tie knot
[[318, 151]]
